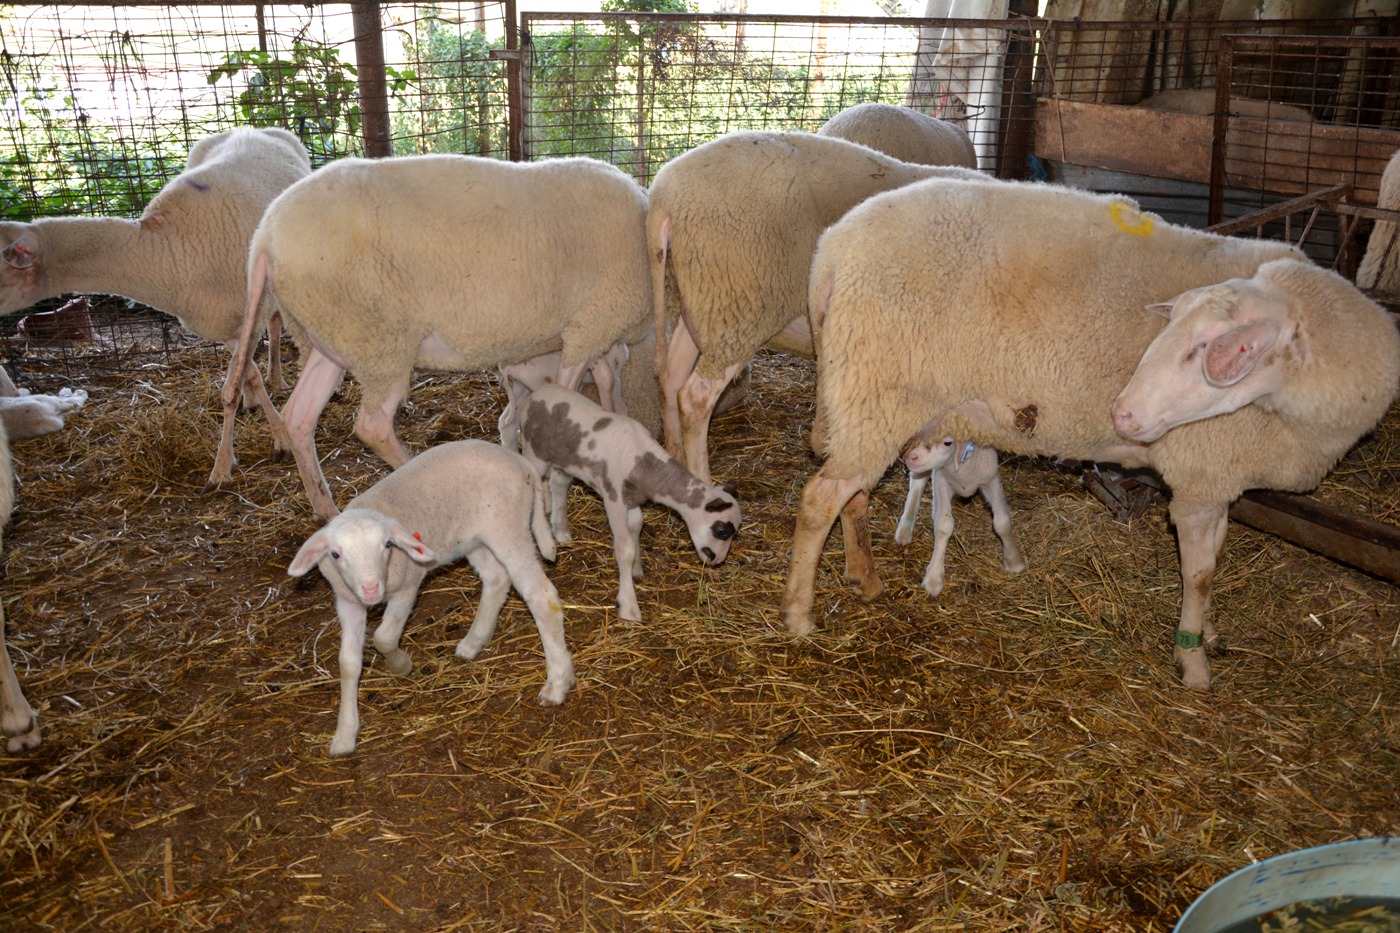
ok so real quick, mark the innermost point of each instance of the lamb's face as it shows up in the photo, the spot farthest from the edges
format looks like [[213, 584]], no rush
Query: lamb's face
[[924, 456], [713, 535], [358, 553]]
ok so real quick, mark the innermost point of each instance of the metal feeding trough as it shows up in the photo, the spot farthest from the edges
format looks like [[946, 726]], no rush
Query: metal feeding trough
[[1363, 869]]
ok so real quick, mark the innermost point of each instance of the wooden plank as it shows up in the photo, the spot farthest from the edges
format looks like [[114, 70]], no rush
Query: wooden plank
[[1279, 156], [1124, 139], [1354, 540]]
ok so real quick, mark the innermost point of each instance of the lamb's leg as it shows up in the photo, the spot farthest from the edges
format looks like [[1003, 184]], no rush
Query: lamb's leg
[[397, 608], [634, 533], [697, 404], [681, 354], [495, 587], [18, 722], [904, 530], [609, 386], [1012, 560], [621, 522], [822, 499], [319, 379], [1200, 532], [508, 424], [855, 533], [527, 576], [374, 424], [559, 483], [941, 511], [352, 650]]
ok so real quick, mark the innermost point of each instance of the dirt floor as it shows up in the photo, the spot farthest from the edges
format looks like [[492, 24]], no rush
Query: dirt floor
[[1015, 755]]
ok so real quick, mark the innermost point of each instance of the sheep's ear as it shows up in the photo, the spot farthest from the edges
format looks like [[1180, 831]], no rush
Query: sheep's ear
[[310, 554], [411, 543], [23, 252], [1164, 308], [1233, 355]]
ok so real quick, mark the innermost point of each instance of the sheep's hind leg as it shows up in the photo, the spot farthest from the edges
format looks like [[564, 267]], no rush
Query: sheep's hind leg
[[681, 354], [860, 559], [375, 424], [529, 580], [822, 499], [320, 377], [697, 403], [1200, 532]]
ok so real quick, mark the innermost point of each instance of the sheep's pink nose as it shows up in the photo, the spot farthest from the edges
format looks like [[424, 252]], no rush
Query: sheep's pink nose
[[1124, 421], [371, 591]]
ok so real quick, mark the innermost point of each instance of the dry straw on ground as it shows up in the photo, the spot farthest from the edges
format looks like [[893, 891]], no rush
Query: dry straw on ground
[[1017, 754]]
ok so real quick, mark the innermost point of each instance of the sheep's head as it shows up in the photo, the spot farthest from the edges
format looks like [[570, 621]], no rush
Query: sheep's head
[[355, 545], [713, 528]]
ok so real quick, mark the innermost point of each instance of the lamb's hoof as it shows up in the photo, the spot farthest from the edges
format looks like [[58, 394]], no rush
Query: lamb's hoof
[[932, 587], [902, 536], [399, 663], [554, 692], [468, 650], [26, 739], [341, 747], [214, 485], [632, 615]]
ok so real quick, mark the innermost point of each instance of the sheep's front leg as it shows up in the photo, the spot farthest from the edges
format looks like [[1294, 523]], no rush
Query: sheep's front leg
[[352, 649], [18, 722], [622, 521], [941, 511], [527, 576], [320, 377], [495, 587], [1012, 560], [390, 630], [822, 499], [904, 530], [1200, 532]]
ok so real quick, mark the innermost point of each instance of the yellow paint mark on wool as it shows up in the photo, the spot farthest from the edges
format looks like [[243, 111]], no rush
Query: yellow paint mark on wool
[[1129, 220]]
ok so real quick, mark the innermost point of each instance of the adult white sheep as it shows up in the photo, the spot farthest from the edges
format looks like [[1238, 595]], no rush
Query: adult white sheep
[[904, 133], [734, 222], [569, 437], [186, 255], [955, 468], [444, 262], [467, 499], [938, 314], [18, 722]]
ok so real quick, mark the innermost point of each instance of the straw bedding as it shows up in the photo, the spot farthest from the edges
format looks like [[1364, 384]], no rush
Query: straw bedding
[[1017, 754]]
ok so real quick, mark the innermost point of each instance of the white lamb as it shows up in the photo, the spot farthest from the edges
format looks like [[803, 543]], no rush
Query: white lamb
[[186, 255], [467, 499], [18, 721], [904, 133], [27, 415], [732, 227], [937, 315], [443, 262], [570, 437], [956, 468]]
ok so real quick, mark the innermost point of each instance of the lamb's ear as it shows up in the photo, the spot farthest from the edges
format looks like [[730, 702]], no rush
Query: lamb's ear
[[22, 253], [310, 554], [411, 543], [1233, 355]]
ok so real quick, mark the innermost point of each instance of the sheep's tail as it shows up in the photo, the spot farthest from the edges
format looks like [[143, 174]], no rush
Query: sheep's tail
[[539, 520], [259, 272], [659, 247]]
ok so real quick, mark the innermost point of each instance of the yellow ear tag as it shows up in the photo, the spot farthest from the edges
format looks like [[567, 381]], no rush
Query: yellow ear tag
[[1129, 220]]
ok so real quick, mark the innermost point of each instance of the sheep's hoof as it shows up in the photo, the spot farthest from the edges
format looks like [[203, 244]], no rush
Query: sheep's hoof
[[341, 747], [281, 456], [1195, 669], [25, 739], [468, 650], [214, 485], [399, 663], [933, 586], [870, 587], [554, 693], [630, 614], [798, 622]]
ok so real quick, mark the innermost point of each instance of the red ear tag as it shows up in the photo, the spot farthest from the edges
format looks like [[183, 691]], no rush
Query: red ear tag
[[419, 537]]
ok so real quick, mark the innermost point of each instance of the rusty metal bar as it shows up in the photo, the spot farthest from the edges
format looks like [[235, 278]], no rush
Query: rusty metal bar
[[375, 129]]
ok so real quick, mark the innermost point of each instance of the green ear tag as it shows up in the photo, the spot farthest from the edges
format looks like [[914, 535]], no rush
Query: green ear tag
[[1185, 639]]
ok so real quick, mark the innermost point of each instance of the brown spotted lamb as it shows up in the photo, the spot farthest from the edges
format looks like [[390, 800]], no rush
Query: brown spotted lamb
[[731, 230], [467, 499], [936, 315], [444, 262], [187, 255], [954, 468], [570, 437]]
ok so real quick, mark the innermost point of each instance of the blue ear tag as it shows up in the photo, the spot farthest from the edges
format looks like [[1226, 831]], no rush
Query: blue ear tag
[[967, 452]]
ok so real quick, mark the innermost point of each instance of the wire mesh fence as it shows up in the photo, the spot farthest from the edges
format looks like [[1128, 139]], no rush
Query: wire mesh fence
[[99, 105]]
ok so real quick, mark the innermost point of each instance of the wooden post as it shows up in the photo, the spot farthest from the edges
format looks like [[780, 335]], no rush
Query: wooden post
[[374, 87]]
